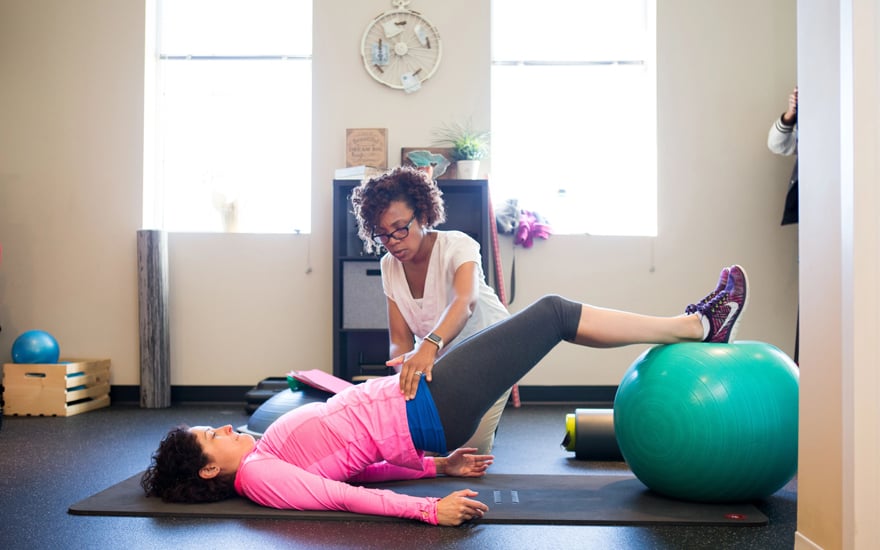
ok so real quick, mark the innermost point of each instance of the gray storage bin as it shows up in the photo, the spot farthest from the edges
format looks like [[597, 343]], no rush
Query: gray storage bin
[[363, 302]]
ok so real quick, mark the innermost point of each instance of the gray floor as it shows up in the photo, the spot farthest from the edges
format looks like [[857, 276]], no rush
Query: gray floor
[[46, 464]]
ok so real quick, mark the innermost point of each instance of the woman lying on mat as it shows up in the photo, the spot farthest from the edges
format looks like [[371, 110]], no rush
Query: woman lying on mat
[[378, 430]]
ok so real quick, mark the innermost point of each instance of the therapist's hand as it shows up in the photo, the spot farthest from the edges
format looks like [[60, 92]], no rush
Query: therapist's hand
[[412, 367]]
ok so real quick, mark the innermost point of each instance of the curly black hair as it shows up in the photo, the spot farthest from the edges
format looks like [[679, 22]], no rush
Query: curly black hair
[[405, 183], [173, 474]]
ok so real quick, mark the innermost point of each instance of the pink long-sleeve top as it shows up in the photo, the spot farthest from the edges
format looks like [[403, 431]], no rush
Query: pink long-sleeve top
[[361, 434]]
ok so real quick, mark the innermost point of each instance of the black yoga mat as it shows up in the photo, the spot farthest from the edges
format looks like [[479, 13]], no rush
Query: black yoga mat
[[535, 499]]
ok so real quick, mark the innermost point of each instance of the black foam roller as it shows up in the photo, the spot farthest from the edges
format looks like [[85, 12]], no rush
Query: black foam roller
[[590, 434]]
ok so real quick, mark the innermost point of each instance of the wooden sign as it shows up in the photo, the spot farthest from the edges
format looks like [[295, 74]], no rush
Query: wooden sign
[[366, 147]]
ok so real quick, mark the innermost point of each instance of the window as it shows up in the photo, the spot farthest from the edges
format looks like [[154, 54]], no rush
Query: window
[[574, 133], [232, 117]]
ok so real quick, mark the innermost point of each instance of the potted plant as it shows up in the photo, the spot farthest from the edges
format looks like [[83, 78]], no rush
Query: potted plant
[[469, 147]]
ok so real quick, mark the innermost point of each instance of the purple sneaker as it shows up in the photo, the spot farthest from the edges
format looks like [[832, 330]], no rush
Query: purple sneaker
[[722, 284], [724, 311]]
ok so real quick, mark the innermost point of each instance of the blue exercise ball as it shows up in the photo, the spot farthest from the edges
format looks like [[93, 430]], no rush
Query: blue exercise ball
[[710, 422], [35, 346]]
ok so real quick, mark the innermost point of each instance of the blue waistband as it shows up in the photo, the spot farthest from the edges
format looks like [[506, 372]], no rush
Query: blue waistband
[[424, 421]]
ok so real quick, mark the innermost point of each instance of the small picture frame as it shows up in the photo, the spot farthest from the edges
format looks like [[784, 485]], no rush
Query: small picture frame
[[450, 173]]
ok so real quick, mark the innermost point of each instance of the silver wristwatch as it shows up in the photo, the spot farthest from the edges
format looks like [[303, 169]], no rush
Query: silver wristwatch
[[435, 339]]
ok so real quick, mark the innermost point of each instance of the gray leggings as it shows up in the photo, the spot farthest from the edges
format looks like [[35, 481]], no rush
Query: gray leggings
[[474, 373]]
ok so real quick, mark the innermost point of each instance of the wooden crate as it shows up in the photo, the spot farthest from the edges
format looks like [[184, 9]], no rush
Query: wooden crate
[[70, 387]]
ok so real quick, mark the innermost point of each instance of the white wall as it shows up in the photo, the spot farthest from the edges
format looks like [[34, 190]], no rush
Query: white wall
[[71, 148], [839, 437], [244, 307]]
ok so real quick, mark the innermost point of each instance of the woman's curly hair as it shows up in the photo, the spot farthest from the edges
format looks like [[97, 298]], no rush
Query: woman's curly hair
[[173, 474], [405, 183]]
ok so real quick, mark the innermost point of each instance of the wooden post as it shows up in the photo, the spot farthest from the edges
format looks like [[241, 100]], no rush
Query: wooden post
[[155, 348]]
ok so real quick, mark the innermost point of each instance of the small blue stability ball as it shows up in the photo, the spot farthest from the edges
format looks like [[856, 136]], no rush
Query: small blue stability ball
[[35, 346], [710, 422]]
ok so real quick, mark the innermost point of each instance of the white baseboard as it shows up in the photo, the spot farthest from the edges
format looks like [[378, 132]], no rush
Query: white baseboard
[[803, 543]]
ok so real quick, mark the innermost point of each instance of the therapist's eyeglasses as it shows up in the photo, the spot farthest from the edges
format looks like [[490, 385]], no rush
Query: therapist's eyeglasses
[[397, 234]]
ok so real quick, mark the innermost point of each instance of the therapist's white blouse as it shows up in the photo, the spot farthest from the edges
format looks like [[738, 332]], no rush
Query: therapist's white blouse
[[451, 250]]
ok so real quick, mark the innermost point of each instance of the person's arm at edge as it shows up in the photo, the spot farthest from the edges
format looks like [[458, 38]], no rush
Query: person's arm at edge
[[782, 137]]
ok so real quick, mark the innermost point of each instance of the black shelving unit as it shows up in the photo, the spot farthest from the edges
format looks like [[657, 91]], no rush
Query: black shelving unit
[[360, 326]]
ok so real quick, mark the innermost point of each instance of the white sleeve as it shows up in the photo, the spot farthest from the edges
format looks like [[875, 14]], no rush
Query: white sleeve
[[782, 138], [463, 249]]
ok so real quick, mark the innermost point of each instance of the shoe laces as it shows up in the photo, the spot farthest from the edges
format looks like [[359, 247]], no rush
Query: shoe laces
[[712, 303], [694, 308]]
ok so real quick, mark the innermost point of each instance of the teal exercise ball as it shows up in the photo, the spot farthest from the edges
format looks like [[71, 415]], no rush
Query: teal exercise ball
[[35, 346], [710, 422]]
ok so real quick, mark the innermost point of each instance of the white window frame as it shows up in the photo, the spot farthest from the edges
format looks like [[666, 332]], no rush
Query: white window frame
[[228, 116], [574, 131]]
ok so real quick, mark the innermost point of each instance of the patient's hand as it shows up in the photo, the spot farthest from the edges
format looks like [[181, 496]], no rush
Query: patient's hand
[[463, 463], [458, 507]]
